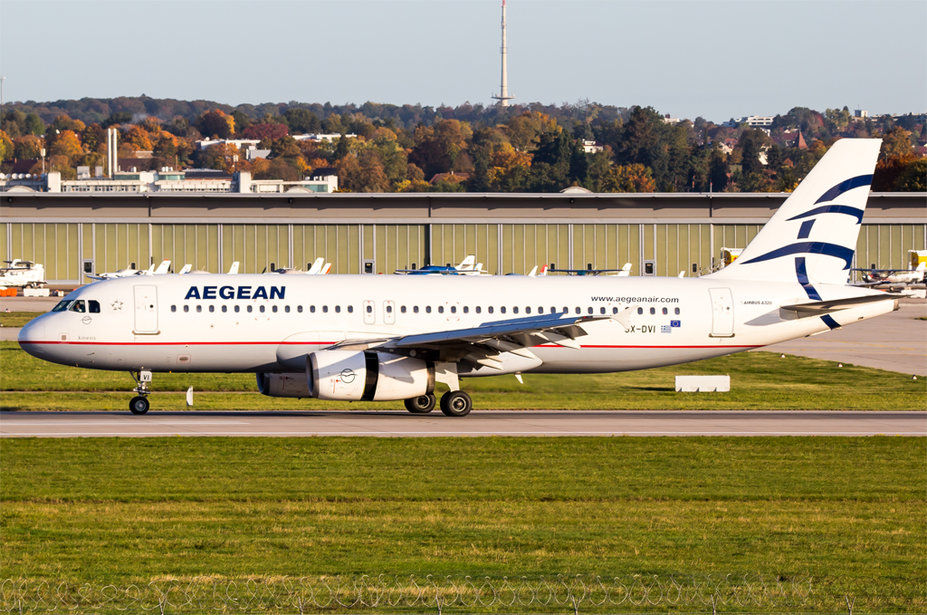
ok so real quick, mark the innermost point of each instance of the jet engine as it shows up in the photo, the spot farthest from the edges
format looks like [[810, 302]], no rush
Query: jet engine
[[349, 375], [283, 385]]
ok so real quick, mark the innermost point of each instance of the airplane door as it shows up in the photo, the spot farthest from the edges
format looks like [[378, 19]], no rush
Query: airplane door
[[389, 312], [722, 312], [369, 313], [146, 309]]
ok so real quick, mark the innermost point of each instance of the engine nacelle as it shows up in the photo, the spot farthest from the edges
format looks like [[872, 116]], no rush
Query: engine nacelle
[[283, 385], [349, 375]]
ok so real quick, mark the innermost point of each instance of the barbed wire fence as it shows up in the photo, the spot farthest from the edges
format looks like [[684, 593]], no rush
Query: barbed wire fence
[[573, 594]]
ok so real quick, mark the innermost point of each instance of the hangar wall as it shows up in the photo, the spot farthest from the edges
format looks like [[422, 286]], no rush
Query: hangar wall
[[509, 233], [502, 247]]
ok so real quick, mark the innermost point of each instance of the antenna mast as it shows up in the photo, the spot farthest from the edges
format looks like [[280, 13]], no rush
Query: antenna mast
[[503, 96]]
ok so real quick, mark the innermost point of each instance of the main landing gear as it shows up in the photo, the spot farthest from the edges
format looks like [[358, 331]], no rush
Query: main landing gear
[[453, 403], [139, 403]]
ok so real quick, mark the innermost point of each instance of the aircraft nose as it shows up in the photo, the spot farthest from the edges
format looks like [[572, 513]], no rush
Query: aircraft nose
[[31, 335]]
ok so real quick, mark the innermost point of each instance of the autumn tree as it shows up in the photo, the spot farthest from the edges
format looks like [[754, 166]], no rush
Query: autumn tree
[[27, 147], [265, 130], [6, 146], [216, 123], [137, 137], [631, 178]]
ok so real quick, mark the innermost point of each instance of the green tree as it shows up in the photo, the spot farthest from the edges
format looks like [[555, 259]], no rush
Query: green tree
[[301, 121]]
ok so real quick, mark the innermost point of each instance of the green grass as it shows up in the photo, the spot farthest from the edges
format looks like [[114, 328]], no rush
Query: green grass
[[17, 319], [759, 381], [845, 514]]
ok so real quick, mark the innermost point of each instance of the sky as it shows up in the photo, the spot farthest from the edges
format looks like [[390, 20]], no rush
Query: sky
[[714, 59]]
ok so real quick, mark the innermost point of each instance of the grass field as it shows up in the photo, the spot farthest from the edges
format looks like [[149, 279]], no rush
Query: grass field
[[844, 514], [759, 381]]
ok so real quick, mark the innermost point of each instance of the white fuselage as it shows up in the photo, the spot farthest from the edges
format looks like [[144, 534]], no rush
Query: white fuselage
[[269, 323]]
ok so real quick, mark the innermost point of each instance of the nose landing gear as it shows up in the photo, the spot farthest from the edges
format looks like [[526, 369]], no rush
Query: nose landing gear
[[139, 403]]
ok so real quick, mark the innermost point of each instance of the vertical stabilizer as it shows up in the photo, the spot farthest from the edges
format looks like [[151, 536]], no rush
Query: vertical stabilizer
[[812, 237]]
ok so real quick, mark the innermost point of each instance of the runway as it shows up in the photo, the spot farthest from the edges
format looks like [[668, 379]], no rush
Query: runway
[[477, 424]]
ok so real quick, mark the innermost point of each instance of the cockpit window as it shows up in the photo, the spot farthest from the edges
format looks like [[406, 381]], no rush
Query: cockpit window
[[78, 306], [94, 306], [62, 306]]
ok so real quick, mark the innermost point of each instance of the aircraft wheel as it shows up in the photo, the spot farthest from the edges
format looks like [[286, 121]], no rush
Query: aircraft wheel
[[423, 404], [456, 403], [139, 405]]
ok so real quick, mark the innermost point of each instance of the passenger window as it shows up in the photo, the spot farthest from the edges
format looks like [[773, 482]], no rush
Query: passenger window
[[479, 310], [614, 310], [665, 311], [589, 310], [273, 309], [369, 309], [312, 309], [389, 309], [528, 309], [286, 309], [453, 309], [350, 309], [440, 309], [237, 308], [515, 310], [199, 308], [676, 311], [262, 309], [402, 309], [94, 306], [502, 309], [250, 308], [578, 311], [186, 308], [299, 309], [466, 310], [428, 309], [601, 310], [653, 311], [225, 308], [325, 309], [640, 310], [489, 309], [212, 308], [337, 309], [415, 309], [173, 308]]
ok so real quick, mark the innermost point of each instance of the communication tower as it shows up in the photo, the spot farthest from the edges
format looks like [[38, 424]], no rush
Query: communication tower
[[503, 96]]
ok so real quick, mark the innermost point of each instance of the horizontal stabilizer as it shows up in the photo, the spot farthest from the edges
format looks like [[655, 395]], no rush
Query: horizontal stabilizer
[[819, 308]]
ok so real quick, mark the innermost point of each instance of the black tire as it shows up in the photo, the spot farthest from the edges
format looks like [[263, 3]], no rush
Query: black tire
[[423, 404], [456, 403], [139, 405]]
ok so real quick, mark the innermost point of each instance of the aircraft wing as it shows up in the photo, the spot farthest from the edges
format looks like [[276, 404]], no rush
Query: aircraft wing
[[475, 344], [819, 308]]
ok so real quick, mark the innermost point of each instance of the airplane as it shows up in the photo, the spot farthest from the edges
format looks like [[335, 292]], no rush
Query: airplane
[[624, 272], [382, 338], [185, 269], [162, 269], [22, 273], [896, 277], [318, 267], [468, 266]]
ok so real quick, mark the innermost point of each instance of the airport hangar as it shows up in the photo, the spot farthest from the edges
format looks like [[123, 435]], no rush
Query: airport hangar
[[660, 234]]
